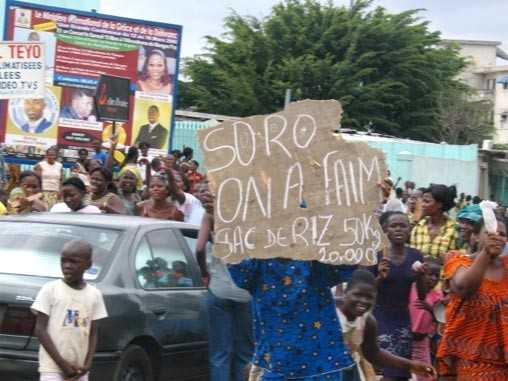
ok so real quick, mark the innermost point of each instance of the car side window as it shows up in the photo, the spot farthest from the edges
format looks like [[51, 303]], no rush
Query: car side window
[[144, 265], [161, 263]]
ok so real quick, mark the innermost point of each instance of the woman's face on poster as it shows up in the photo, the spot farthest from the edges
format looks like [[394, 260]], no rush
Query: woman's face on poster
[[156, 67]]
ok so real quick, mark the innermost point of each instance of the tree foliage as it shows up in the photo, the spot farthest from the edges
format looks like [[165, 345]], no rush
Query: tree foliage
[[388, 69], [463, 118]]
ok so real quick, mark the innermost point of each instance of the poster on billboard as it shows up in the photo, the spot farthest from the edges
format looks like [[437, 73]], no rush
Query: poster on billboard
[[21, 70], [80, 48], [112, 98]]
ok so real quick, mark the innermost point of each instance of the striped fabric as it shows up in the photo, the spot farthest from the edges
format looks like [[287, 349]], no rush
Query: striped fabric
[[475, 340]]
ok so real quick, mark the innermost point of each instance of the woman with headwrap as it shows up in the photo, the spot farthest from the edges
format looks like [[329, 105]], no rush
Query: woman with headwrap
[[130, 184]]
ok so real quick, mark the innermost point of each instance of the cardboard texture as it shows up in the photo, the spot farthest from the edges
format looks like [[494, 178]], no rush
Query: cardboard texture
[[286, 186]]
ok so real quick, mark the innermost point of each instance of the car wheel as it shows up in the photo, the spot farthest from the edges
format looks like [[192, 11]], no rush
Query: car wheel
[[134, 365]]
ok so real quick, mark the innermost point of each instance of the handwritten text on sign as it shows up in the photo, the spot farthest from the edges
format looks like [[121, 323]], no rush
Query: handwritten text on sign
[[287, 187], [21, 70]]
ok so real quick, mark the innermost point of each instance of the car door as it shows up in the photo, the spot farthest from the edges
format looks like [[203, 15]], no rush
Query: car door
[[174, 298]]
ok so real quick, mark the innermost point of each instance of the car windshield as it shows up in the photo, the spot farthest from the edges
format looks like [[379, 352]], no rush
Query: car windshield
[[34, 248]]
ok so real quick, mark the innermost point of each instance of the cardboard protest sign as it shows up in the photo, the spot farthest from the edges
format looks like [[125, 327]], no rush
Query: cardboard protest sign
[[21, 70], [285, 186]]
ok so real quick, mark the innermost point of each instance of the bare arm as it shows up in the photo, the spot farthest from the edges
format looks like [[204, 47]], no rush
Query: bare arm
[[92, 346], [41, 331], [421, 288], [148, 172], [110, 161], [113, 205], [383, 269], [203, 238], [38, 170], [380, 358], [178, 195], [39, 206], [467, 280]]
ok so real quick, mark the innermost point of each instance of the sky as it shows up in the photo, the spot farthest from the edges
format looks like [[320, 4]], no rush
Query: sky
[[464, 19]]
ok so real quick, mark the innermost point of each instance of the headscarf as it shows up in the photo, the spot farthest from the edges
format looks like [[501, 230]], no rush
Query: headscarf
[[471, 213], [133, 168]]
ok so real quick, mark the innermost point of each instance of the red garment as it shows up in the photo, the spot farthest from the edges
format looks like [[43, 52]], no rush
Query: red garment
[[475, 340], [422, 321], [194, 178]]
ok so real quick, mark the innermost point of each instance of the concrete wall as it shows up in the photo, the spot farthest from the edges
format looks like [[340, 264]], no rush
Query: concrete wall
[[421, 162], [426, 163], [481, 55], [500, 108]]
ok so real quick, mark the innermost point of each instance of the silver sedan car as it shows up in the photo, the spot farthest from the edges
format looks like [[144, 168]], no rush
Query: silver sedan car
[[146, 270]]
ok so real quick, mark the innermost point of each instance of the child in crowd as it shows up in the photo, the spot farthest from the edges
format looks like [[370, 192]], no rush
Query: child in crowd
[[359, 329], [422, 299], [67, 310]]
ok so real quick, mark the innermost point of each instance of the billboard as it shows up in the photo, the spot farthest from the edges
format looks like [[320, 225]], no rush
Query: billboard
[[79, 49]]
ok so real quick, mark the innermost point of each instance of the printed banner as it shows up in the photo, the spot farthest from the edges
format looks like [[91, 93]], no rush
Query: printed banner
[[21, 70]]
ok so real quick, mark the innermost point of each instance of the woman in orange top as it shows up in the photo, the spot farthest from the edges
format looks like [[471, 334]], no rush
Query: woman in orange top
[[475, 341]]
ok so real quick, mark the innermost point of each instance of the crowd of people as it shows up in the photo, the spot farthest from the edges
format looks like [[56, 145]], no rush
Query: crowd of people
[[436, 302], [166, 187]]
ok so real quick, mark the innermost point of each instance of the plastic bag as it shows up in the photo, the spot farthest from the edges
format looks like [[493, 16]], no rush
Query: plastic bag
[[489, 216]]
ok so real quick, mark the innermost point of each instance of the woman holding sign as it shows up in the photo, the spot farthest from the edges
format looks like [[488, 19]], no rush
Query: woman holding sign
[[475, 341]]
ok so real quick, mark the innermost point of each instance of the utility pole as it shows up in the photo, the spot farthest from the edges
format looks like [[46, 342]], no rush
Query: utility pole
[[287, 99]]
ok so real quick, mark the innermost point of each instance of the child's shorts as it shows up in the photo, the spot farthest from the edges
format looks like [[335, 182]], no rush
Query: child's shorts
[[58, 377]]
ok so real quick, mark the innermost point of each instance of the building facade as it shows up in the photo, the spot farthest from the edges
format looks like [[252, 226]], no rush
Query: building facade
[[487, 69]]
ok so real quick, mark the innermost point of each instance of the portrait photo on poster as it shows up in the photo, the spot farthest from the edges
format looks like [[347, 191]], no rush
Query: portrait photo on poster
[[156, 70], [78, 104], [23, 18], [151, 122], [36, 115]]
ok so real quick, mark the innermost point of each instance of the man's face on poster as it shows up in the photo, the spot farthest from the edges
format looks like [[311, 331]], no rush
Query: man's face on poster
[[34, 108], [83, 106], [153, 115]]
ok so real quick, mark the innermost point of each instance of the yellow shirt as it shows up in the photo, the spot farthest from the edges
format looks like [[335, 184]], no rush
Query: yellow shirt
[[3, 209], [444, 242]]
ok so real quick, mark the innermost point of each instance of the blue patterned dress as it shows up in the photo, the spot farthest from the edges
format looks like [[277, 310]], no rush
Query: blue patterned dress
[[392, 310], [296, 327]]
